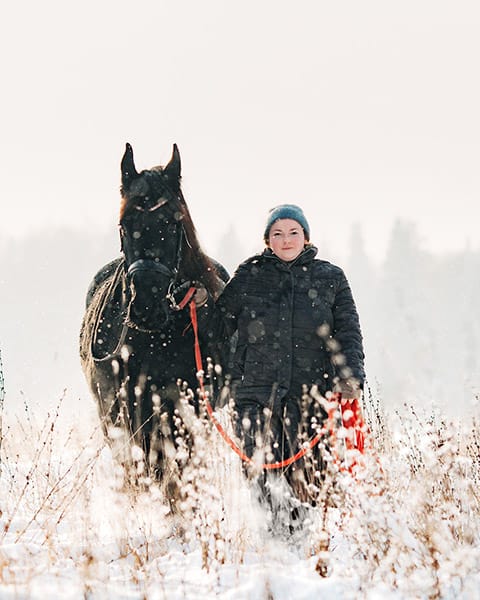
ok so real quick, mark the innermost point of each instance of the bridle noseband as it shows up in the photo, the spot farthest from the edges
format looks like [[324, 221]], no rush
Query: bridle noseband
[[149, 264], [152, 265]]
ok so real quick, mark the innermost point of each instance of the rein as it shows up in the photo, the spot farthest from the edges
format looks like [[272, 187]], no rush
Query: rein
[[98, 315], [329, 428]]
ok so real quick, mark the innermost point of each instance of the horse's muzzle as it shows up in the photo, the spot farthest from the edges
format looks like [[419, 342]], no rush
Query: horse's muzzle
[[148, 309]]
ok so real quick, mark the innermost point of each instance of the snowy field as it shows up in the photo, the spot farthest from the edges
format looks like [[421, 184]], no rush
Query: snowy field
[[408, 530], [408, 526]]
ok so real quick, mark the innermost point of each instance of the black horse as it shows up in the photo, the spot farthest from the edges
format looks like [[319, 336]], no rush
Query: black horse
[[136, 344]]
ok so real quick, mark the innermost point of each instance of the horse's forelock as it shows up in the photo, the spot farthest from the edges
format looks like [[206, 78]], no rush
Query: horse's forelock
[[151, 180]]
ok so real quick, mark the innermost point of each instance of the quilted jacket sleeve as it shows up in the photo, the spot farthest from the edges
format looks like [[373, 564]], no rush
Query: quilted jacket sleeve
[[347, 334], [230, 303], [219, 318]]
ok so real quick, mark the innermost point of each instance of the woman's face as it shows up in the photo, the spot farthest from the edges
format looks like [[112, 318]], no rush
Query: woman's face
[[286, 239]]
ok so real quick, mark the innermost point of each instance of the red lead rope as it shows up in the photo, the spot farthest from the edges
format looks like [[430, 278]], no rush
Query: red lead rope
[[350, 410]]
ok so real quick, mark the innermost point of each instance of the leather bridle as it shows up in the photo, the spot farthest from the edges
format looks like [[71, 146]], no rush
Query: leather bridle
[[155, 266]]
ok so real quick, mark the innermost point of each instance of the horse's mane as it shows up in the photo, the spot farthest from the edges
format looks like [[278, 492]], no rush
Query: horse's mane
[[196, 265]]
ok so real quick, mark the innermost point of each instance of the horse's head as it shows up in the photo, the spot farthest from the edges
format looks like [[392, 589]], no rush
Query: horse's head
[[152, 235]]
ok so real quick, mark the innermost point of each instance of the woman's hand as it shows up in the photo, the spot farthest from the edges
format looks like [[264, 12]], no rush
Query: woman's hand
[[180, 294], [349, 388], [201, 295]]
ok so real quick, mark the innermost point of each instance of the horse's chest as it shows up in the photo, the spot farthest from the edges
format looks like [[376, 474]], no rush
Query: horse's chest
[[161, 352]]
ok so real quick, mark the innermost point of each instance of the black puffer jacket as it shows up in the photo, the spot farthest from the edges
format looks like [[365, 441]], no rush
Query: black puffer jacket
[[297, 324]]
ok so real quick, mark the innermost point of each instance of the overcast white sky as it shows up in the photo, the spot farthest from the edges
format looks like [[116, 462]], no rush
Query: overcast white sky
[[358, 111]]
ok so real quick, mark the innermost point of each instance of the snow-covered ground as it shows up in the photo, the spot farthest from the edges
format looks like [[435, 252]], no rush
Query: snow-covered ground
[[408, 526]]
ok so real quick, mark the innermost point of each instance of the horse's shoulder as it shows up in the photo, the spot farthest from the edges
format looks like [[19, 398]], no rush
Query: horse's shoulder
[[102, 275]]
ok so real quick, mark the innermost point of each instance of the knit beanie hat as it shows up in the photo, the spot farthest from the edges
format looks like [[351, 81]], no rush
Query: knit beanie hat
[[287, 211]]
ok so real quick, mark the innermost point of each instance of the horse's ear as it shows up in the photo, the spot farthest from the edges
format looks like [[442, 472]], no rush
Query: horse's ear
[[129, 171], [174, 167]]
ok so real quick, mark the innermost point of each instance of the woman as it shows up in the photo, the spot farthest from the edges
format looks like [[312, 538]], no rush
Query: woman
[[298, 331]]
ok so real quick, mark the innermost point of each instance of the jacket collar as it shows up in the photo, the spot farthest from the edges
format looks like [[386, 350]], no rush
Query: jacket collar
[[306, 256]]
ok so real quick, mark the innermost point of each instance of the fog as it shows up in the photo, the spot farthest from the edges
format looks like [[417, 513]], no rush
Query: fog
[[365, 114], [356, 111], [418, 313]]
